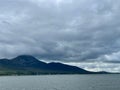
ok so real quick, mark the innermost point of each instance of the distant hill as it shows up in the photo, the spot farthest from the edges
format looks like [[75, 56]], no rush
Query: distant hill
[[29, 65]]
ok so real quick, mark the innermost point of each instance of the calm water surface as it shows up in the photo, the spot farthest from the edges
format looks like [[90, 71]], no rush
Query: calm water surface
[[61, 82]]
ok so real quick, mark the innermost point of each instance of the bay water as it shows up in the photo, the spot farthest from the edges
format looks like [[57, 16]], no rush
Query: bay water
[[61, 82]]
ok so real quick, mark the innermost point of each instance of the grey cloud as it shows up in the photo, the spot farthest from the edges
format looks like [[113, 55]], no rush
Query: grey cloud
[[64, 30]]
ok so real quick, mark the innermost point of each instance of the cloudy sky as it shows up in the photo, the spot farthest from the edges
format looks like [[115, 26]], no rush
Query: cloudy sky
[[85, 33]]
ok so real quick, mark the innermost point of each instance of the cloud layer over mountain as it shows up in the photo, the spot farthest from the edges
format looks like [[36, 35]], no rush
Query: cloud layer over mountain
[[63, 30]]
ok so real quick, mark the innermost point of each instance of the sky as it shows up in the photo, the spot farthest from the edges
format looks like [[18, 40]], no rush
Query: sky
[[84, 33]]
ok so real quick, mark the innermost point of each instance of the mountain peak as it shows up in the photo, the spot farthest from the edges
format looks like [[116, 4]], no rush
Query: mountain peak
[[25, 58]]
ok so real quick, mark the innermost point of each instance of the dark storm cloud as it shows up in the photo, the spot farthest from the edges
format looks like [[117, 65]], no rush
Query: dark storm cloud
[[64, 30]]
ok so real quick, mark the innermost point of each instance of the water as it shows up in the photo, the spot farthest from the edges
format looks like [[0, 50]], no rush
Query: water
[[61, 82]]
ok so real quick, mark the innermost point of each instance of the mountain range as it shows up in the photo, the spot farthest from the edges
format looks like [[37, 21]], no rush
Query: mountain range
[[29, 65]]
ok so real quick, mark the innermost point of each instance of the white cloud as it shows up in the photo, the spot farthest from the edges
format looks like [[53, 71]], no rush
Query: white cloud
[[97, 66], [114, 56]]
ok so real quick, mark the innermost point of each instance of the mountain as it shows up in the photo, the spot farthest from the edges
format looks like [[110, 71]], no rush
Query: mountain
[[29, 65]]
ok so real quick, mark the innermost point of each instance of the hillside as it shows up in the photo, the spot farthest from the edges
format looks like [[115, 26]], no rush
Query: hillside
[[29, 65]]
